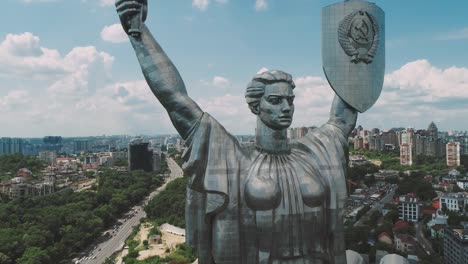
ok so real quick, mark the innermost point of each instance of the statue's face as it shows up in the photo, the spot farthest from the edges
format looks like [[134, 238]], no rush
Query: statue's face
[[276, 107]]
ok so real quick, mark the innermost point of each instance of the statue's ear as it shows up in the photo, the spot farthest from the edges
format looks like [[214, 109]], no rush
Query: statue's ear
[[255, 109]]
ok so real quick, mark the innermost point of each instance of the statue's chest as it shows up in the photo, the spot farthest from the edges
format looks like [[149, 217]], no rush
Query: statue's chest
[[289, 198], [284, 183]]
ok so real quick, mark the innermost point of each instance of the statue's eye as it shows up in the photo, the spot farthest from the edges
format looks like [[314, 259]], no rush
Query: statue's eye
[[274, 100], [290, 100]]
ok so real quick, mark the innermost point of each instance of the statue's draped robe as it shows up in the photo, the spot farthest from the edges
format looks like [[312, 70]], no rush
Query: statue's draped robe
[[224, 230]]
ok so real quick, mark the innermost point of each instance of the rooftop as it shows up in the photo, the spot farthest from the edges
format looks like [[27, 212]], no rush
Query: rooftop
[[405, 238], [454, 195]]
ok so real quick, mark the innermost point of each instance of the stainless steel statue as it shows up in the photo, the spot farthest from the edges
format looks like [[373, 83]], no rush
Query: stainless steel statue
[[275, 202]]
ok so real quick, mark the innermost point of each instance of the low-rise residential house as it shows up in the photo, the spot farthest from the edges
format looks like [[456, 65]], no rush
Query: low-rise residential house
[[24, 173], [385, 238], [446, 186], [19, 188], [399, 224], [383, 175], [436, 203], [437, 231], [454, 173], [463, 183], [405, 243], [453, 201], [429, 212], [438, 219]]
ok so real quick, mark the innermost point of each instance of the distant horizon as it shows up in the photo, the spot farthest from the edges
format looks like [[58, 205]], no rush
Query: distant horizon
[[176, 134]]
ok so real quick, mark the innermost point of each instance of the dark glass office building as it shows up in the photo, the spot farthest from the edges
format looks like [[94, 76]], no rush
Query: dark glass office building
[[140, 157]]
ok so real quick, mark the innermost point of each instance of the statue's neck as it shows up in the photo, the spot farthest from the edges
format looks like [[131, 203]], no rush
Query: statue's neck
[[271, 140]]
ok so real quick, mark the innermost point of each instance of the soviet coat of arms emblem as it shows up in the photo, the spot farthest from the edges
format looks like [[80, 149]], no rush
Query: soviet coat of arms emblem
[[358, 34], [353, 51]]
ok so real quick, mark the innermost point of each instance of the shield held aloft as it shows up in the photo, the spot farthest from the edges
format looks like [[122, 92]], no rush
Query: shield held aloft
[[353, 51]]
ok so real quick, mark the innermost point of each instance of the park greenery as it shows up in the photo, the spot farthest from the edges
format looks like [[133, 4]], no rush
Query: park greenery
[[11, 163], [424, 164], [417, 185], [54, 228], [174, 195], [158, 213], [183, 254]]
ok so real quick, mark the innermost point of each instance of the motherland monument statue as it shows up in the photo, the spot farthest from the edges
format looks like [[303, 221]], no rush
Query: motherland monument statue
[[278, 201]]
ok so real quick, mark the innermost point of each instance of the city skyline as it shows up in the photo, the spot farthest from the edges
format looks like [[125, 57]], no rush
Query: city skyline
[[76, 75]]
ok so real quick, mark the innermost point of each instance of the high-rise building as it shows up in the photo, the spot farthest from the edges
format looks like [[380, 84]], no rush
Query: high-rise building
[[456, 244], [52, 143], [427, 142], [139, 156], [119, 155], [432, 131], [419, 143], [453, 154], [463, 145], [49, 157], [408, 208], [11, 145], [406, 156], [375, 142], [375, 131], [156, 161], [358, 143], [406, 147], [291, 133], [390, 138], [80, 145], [301, 131], [407, 134]]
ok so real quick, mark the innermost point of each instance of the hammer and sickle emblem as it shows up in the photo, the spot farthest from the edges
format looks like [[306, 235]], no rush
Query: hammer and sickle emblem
[[358, 36], [362, 30]]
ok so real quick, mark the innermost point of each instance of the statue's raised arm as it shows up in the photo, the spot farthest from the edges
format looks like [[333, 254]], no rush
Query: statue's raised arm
[[343, 116], [159, 71]]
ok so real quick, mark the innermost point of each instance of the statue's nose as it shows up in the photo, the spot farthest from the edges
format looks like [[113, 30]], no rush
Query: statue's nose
[[285, 107]]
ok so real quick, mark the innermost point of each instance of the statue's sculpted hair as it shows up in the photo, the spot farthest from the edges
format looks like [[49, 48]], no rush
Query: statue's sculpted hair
[[256, 88]]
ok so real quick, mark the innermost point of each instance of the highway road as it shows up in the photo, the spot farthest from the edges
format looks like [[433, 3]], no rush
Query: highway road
[[115, 243], [422, 240], [377, 206]]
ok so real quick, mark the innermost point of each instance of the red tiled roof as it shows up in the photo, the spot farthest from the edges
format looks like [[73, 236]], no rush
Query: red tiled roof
[[384, 234], [400, 224], [429, 211], [405, 238]]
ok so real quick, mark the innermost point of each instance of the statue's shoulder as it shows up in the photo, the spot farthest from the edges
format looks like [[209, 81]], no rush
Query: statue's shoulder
[[322, 138]]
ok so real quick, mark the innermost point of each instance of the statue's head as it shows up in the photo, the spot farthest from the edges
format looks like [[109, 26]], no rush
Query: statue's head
[[270, 96]]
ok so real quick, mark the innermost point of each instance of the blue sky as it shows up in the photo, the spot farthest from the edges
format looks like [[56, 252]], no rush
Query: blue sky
[[66, 68]]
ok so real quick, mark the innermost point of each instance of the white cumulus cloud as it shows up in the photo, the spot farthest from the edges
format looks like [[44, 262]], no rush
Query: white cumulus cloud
[[106, 2], [261, 5], [37, 1], [220, 82], [201, 4], [70, 94], [114, 33]]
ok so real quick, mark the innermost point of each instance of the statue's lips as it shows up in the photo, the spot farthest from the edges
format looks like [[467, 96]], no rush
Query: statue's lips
[[285, 118]]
